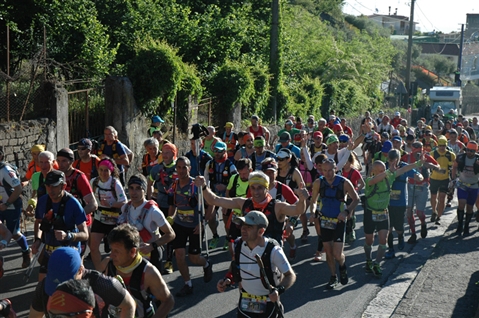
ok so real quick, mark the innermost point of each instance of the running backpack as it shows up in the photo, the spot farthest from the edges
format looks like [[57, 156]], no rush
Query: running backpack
[[265, 257]]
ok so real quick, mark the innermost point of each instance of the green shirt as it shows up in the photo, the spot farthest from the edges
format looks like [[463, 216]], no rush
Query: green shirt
[[241, 189], [380, 199], [36, 180]]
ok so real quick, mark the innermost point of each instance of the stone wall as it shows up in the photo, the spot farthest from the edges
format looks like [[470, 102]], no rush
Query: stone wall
[[18, 137]]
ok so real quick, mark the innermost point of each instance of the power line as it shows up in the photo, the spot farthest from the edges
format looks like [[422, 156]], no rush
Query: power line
[[432, 25], [363, 5]]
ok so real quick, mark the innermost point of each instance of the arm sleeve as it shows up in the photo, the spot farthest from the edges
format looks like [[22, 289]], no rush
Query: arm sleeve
[[288, 194], [83, 185], [156, 217], [307, 156], [343, 156], [108, 288], [279, 260], [120, 193], [120, 149]]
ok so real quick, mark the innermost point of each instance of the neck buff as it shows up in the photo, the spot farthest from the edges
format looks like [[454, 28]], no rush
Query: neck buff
[[130, 268], [223, 159], [260, 206]]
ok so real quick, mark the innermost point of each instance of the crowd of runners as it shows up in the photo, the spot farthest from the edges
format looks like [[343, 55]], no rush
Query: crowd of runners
[[257, 185]]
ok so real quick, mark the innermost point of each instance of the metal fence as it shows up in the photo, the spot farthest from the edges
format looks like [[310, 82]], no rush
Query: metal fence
[[19, 93], [86, 113]]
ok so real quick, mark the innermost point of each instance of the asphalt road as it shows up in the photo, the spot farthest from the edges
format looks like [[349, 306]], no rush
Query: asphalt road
[[308, 296]]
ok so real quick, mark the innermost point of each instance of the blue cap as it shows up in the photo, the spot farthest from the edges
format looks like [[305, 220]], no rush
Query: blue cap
[[397, 138], [387, 146], [157, 119], [220, 145], [63, 265], [343, 138]]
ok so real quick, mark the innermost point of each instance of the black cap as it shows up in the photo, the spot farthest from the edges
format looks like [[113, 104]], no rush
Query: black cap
[[85, 142], [285, 137], [54, 178]]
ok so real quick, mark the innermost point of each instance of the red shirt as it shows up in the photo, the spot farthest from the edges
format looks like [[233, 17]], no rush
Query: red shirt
[[396, 121], [82, 188], [354, 176], [257, 133], [348, 131]]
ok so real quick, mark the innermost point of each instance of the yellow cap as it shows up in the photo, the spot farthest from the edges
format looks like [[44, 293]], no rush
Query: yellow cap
[[229, 125], [442, 141]]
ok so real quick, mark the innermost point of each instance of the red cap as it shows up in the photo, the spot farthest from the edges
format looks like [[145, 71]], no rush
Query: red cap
[[317, 134], [337, 127]]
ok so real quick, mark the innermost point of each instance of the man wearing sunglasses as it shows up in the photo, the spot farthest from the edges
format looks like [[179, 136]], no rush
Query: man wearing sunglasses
[[247, 151], [466, 168], [65, 264], [88, 163]]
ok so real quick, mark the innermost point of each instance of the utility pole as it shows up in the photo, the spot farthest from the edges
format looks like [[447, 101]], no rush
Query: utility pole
[[274, 55], [459, 62], [409, 56]]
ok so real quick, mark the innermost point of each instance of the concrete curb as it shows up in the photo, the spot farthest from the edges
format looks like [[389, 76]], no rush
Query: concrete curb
[[398, 284]]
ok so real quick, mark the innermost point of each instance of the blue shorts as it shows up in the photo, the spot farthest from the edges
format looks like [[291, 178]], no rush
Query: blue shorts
[[12, 219], [417, 194], [468, 194]]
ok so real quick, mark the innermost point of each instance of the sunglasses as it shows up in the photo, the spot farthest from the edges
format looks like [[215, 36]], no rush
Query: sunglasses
[[219, 151], [470, 150], [70, 314], [81, 148], [282, 159], [328, 161]]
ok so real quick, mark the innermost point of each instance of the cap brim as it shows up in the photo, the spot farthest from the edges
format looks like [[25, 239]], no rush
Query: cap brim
[[54, 184]]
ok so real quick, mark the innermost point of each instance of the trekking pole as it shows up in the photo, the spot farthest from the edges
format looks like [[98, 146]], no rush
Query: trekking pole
[[29, 270], [197, 131], [267, 285]]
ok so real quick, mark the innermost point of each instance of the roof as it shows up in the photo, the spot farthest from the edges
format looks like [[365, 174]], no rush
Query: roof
[[440, 48]]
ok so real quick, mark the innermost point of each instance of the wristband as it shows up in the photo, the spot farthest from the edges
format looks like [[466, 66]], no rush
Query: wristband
[[347, 211], [155, 246], [4, 243], [293, 221], [280, 289], [170, 220], [419, 163], [203, 187], [32, 202], [229, 276], [37, 239], [70, 236]]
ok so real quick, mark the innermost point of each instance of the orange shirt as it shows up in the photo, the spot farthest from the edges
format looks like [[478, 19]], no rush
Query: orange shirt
[[32, 168], [86, 167]]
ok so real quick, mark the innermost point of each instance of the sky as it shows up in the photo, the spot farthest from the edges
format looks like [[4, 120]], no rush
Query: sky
[[439, 15]]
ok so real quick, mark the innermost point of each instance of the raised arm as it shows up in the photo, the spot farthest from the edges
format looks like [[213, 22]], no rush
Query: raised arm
[[213, 199]]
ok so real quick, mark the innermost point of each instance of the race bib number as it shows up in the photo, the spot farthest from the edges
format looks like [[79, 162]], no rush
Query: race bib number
[[186, 216], [379, 216], [329, 223], [256, 305], [395, 194], [109, 217], [50, 249]]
